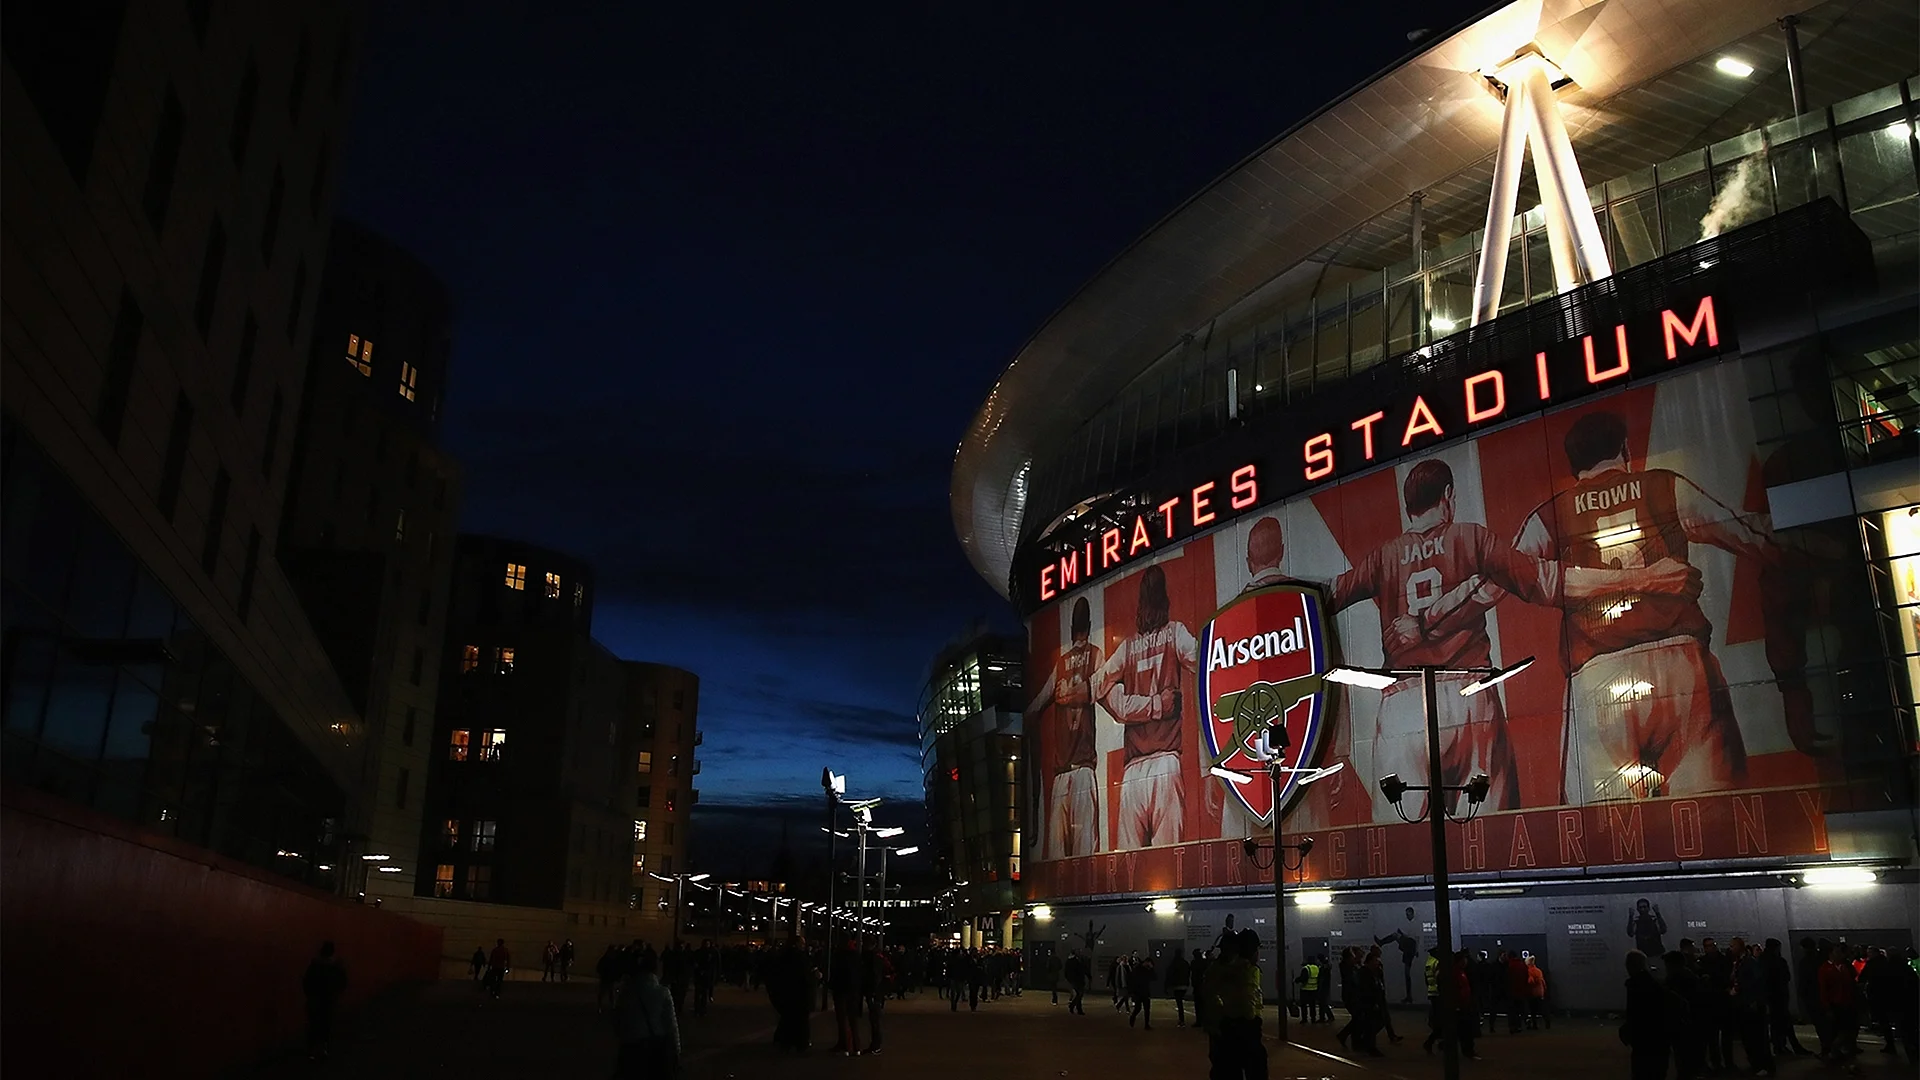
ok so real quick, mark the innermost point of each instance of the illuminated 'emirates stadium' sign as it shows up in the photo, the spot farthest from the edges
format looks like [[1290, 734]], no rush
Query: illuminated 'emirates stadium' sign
[[1424, 413]]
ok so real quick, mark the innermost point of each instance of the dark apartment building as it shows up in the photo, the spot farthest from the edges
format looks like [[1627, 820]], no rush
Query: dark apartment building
[[560, 774], [179, 753], [367, 535]]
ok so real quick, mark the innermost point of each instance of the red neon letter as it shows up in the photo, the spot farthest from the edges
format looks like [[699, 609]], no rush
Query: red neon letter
[[1364, 425], [1671, 326], [1540, 367], [1246, 487], [1070, 569], [1089, 558], [1140, 538], [1420, 421], [1475, 413], [1109, 548], [1047, 591], [1200, 503], [1166, 511], [1319, 456], [1594, 374]]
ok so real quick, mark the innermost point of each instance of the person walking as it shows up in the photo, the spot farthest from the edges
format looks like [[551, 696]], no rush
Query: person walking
[[1645, 1028], [789, 983], [1537, 1015], [1117, 982], [1806, 979], [1140, 990], [324, 982], [566, 960], [477, 963], [1683, 988], [1233, 997], [1840, 1000], [1079, 972], [1779, 1001], [1750, 997], [844, 983], [1466, 1025], [645, 1022], [1198, 974], [498, 963], [876, 981], [1518, 997], [1435, 1035], [549, 962], [1179, 979]]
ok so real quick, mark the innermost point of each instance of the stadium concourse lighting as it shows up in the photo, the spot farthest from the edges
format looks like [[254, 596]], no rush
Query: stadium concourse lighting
[[1739, 69], [1313, 898], [1838, 877], [1367, 677], [889, 833], [1234, 775], [910, 850], [1041, 912], [1488, 682]]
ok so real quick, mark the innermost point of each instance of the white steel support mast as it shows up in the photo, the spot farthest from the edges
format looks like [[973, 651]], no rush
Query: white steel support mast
[[1532, 121]]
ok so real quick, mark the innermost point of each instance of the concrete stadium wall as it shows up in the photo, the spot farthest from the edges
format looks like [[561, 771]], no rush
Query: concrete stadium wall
[[136, 955], [1579, 931]]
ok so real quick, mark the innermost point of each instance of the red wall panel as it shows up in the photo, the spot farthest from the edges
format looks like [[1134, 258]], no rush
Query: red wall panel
[[132, 954]]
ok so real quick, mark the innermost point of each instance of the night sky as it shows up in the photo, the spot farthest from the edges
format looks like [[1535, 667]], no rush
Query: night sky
[[730, 284]]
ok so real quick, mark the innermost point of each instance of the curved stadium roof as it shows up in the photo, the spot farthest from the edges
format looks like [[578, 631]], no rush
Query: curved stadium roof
[[1644, 90]]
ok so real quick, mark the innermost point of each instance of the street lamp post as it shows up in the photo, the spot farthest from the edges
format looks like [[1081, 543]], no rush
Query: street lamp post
[[1437, 790], [679, 887], [884, 852]]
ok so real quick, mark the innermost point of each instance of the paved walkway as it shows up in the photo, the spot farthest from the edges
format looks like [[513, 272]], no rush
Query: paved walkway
[[536, 1030]]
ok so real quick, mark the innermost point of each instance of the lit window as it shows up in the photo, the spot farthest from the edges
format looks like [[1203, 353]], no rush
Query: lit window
[[469, 658], [360, 354], [639, 831], [490, 744], [483, 834], [646, 762], [516, 576], [479, 882], [553, 585], [503, 659], [443, 880], [450, 832], [400, 526], [579, 595], [457, 749], [409, 380]]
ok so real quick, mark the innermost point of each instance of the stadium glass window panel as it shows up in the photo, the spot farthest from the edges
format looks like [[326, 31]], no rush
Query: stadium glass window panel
[[1684, 204], [516, 576], [1540, 282], [76, 711], [1636, 230], [1404, 306], [553, 585], [1367, 322], [360, 354], [1330, 337], [458, 744], [1877, 167], [443, 880], [491, 743], [479, 882], [1452, 296], [1268, 383], [1804, 170], [483, 835]]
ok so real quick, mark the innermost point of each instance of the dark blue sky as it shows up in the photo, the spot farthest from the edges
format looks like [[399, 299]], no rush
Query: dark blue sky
[[731, 282]]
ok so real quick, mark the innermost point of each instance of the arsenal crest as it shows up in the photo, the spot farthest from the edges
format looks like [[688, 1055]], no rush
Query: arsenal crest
[[1261, 659]]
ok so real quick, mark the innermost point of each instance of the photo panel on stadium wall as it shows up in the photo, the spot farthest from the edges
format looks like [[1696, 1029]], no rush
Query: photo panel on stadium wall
[[1623, 542]]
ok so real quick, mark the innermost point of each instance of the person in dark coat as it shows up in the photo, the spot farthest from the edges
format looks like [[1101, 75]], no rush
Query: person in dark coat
[[1780, 1000], [844, 982], [1140, 990], [1645, 1029], [1683, 986], [325, 981], [1179, 980], [477, 964]]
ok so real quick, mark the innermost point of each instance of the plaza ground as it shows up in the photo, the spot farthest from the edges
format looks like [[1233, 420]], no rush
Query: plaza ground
[[551, 1030]]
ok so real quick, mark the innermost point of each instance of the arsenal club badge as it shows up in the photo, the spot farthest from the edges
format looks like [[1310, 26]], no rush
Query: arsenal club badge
[[1261, 661]]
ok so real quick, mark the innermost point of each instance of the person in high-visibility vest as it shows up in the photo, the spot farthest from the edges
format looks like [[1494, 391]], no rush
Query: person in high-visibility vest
[[1434, 1034], [1309, 983]]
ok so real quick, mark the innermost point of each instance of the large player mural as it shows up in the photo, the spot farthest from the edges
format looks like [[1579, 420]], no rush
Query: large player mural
[[1622, 542]]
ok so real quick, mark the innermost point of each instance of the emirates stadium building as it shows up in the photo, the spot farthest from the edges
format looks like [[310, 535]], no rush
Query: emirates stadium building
[[1585, 333]]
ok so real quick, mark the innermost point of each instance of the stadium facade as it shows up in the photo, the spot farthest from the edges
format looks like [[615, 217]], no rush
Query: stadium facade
[[1586, 332]]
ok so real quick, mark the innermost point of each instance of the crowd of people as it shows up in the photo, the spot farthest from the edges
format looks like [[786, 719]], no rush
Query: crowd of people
[[1710, 1000]]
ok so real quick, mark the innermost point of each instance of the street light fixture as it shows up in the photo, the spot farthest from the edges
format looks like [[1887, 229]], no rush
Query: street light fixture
[[1476, 790]]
